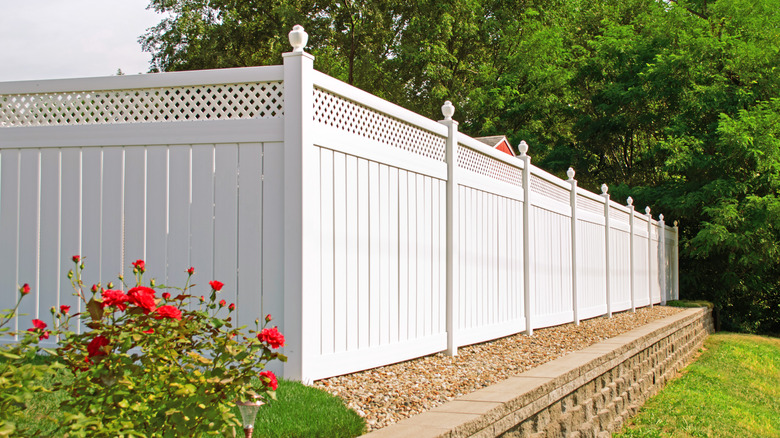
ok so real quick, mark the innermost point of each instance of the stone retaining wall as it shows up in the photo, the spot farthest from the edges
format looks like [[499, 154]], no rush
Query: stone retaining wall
[[588, 393]]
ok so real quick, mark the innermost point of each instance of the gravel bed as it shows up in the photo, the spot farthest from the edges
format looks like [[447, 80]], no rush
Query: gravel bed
[[391, 393]]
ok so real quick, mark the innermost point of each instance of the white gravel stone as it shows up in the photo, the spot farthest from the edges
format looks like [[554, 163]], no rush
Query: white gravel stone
[[391, 393]]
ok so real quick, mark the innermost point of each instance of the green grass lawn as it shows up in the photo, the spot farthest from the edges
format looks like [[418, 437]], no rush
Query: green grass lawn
[[731, 390], [299, 411]]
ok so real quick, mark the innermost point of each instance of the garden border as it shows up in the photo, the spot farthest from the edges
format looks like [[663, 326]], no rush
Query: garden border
[[588, 393]]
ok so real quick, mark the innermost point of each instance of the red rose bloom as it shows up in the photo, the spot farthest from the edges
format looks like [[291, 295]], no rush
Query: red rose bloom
[[95, 346], [269, 379], [166, 295], [76, 258], [39, 326], [216, 285], [150, 331], [232, 307], [268, 318], [114, 298], [142, 297], [191, 270], [169, 312], [222, 303], [272, 337], [140, 265], [64, 309], [25, 289]]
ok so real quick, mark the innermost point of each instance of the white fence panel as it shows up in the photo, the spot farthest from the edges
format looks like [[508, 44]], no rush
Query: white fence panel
[[655, 268], [490, 297], [620, 269], [551, 253], [188, 169], [591, 269], [641, 271]]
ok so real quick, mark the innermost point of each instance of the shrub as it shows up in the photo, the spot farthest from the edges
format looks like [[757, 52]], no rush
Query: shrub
[[151, 366]]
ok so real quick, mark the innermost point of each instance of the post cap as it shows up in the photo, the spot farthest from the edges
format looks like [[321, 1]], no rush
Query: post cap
[[604, 189], [570, 173], [661, 217], [630, 201], [298, 38], [448, 110], [647, 209], [523, 147], [675, 223]]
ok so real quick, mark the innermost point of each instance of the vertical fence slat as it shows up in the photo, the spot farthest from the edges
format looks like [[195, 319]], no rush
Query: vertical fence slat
[[112, 216], [27, 253], [341, 265], [9, 222], [385, 253], [404, 259], [273, 238], [50, 231], [373, 253], [363, 255], [70, 228], [157, 214], [202, 217], [395, 260], [136, 195], [250, 233], [226, 219], [178, 232], [353, 246], [328, 250]]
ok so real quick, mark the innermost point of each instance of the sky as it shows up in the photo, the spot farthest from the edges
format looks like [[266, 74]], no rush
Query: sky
[[53, 39]]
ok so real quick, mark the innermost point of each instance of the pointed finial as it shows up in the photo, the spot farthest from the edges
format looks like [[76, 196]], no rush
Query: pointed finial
[[298, 38], [661, 217], [523, 147], [447, 110], [570, 173], [647, 209], [675, 223], [604, 189], [630, 201]]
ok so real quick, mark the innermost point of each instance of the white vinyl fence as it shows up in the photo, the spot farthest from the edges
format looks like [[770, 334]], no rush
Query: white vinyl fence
[[372, 234]]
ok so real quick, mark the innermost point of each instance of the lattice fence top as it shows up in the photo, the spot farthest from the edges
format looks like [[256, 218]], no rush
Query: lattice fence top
[[488, 166], [540, 185], [169, 104], [590, 205], [340, 113]]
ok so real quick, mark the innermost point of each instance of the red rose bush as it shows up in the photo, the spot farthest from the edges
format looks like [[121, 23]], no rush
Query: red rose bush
[[152, 364]]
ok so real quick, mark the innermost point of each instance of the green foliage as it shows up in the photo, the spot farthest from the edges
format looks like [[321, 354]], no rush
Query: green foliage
[[732, 389], [148, 366], [19, 380], [151, 366]]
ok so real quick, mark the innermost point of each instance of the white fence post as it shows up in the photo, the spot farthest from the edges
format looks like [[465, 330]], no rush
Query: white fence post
[[630, 202], [649, 255], [573, 198], [452, 224], [676, 263], [662, 258], [301, 250], [605, 194], [528, 297]]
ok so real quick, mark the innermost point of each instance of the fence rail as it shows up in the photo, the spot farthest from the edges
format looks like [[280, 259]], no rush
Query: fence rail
[[372, 234]]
